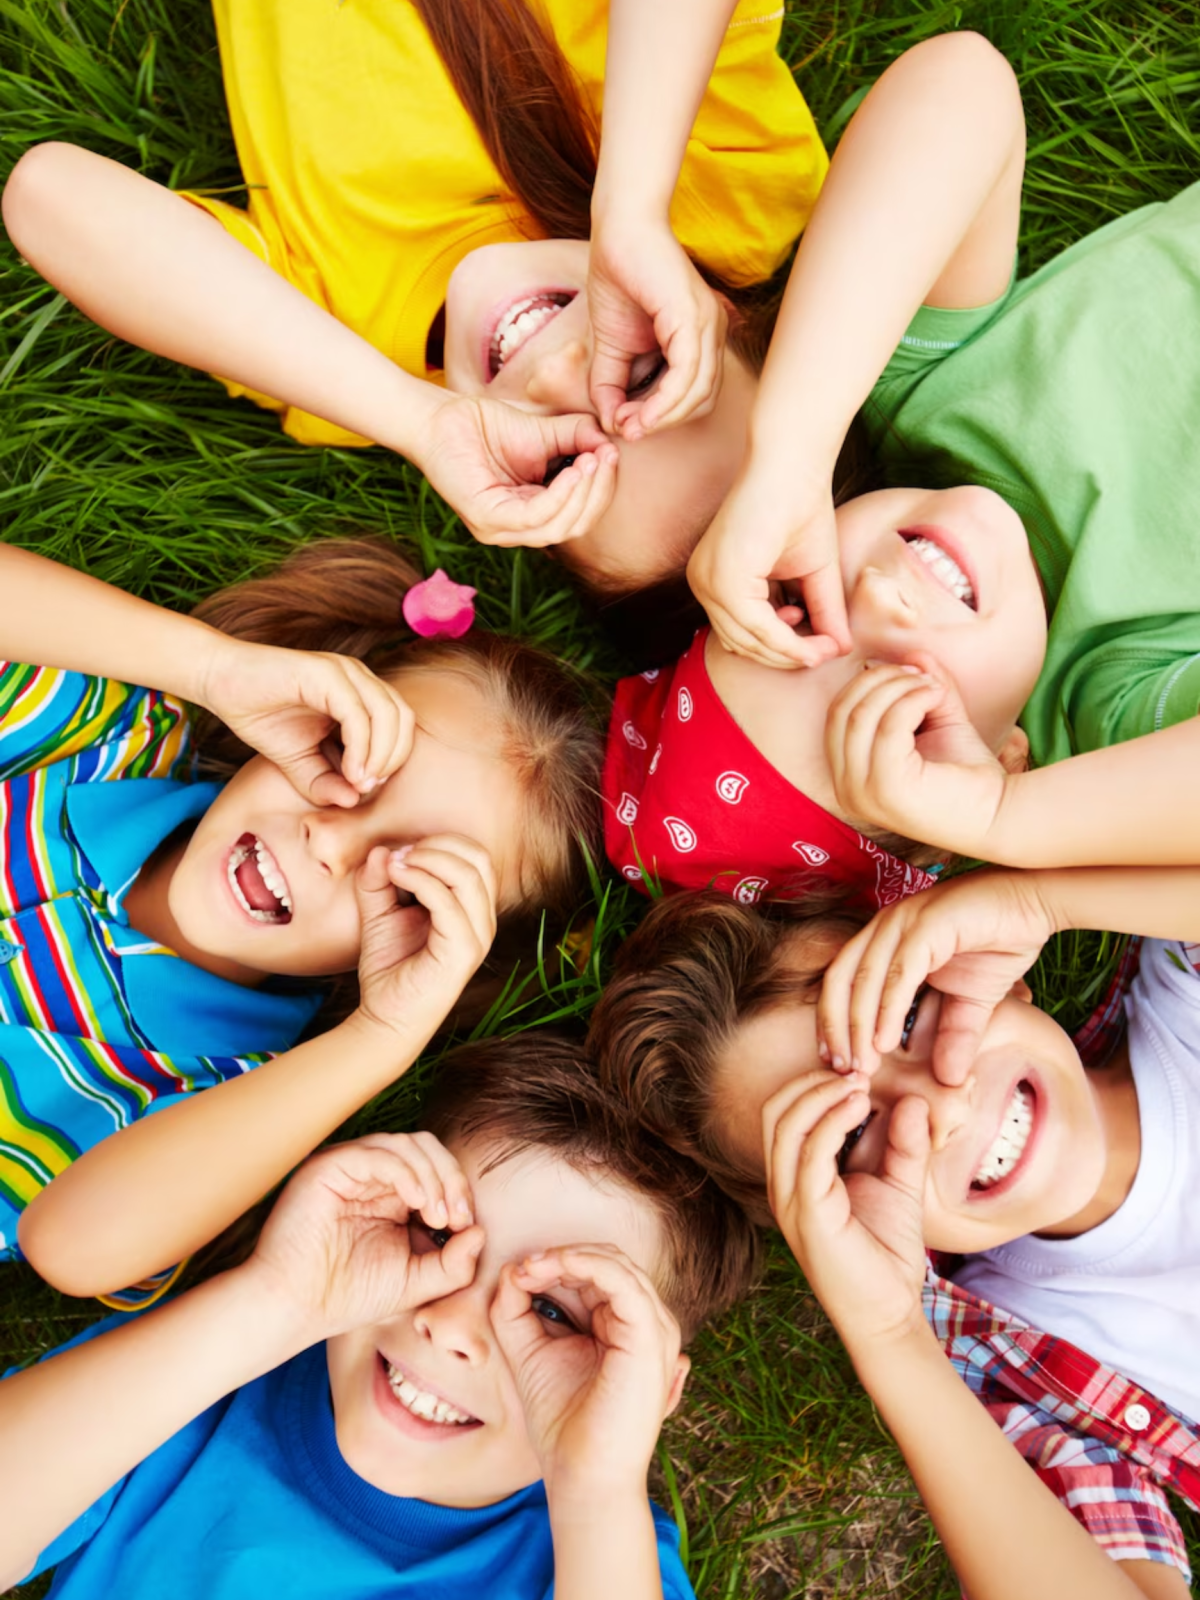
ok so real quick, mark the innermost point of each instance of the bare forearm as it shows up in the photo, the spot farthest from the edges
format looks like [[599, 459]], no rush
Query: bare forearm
[[605, 1547], [1130, 804], [54, 616], [922, 201], [978, 1490], [166, 1185], [659, 55], [72, 1426], [157, 271], [1159, 902]]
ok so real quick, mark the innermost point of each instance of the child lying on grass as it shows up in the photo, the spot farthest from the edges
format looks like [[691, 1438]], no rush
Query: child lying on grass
[[1042, 568], [962, 1120], [396, 813], [500, 1299]]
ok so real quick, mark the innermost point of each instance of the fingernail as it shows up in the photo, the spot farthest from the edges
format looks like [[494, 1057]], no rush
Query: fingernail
[[837, 1063], [365, 785], [823, 1050], [401, 856], [462, 1215]]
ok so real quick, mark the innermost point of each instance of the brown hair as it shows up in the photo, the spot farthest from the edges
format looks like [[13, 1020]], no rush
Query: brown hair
[[696, 970], [344, 595], [540, 1091]]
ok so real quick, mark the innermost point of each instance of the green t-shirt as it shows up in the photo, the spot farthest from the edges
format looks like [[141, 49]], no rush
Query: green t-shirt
[[1077, 398]]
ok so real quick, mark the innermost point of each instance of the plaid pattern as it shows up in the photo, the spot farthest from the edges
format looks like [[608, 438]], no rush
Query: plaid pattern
[[1098, 1441]]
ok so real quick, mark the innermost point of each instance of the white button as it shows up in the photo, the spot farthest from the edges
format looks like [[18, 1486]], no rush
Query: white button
[[1137, 1418]]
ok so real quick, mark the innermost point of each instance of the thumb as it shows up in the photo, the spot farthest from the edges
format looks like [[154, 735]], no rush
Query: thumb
[[315, 779], [962, 1023], [608, 384], [825, 602], [438, 1273], [906, 1159], [571, 434], [947, 732]]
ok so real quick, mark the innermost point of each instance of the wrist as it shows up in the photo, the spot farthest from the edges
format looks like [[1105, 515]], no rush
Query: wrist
[[411, 424], [883, 1360], [581, 1497], [271, 1327], [381, 1045]]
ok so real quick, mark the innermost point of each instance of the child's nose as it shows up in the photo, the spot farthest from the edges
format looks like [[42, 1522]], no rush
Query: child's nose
[[950, 1108], [886, 597], [340, 839], [558, 376], [458, 1325]]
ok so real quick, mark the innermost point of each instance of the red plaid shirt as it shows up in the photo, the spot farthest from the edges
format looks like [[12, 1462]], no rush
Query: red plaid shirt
[[1102, 1445]]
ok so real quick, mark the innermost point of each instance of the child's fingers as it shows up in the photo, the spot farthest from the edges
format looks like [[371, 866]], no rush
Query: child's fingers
[[438, 1273], [962, 1023], [849, 990], [470, 881], [789, 1117], [805, 1169], [391, 728], [452, 1182], [633, 1307], [568, 508], [906, 1158]]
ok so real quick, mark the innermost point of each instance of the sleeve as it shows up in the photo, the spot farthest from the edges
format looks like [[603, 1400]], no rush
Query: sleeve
[[755, 163], [676, 1584], [47, 715], [933, 334], [1115, 1499], [84, 1527]]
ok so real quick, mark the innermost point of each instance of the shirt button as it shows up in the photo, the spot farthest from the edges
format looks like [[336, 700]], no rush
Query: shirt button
[[1137, 1418], [7, 951]]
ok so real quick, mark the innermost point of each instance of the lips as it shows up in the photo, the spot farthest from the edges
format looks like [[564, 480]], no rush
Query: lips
[[425, 1412], [518, 323], [257, 882], [1005, 1154], [946, 565]]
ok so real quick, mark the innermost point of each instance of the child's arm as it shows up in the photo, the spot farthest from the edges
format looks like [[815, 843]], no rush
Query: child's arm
[[153, 269], [283, 703], [921, 204], [159, 1189], [595, 1401], [904, 756], [643, 292], [859, 1242], [972, 939], [333, 1256]]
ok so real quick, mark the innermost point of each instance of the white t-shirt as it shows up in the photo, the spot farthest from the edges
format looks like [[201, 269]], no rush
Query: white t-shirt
[[1128, 1291]]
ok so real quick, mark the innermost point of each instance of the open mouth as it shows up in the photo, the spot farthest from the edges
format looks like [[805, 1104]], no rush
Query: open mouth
[[943, 566], [1006, 1149], [519, 324], [423, 1403], [258, 885]]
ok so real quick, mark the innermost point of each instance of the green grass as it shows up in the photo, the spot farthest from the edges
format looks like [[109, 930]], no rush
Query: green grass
[[144, 474]]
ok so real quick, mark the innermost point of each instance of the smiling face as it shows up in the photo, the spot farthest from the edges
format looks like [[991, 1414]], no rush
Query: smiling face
[[517, 330], [266, 882], [426, 1405], [946, 573], [1019, 1148]]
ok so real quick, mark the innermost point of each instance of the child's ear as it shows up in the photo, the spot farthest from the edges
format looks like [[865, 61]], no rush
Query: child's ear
[[683, 1365], [1013, 754]]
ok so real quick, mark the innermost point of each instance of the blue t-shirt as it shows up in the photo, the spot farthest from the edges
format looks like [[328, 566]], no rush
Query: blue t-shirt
[[253, 1499]]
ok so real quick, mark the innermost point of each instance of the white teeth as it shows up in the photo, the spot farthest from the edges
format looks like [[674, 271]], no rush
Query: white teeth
[[423, 1404], [1010, 1142], [271, 875], [944, 568], [521, 322]]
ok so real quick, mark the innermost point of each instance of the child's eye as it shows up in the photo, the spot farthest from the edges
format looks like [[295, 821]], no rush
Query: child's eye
[[645, 373], [423, 1239], [851, 1139], [550, 1311], [556, 465], [910, 1020]]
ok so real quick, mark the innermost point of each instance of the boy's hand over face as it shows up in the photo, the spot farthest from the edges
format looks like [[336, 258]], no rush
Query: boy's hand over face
[[336, 1247], [595, 1396], [420, 950], [859, 1239], [765, 534], [971, 939], [288, 704], [904, 756]]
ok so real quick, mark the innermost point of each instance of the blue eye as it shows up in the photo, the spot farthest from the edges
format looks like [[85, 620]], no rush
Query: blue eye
[[550, 1311], [848, 1144]]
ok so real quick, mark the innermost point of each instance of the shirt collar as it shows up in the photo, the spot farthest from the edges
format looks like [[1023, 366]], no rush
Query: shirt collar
[[178, 1007]]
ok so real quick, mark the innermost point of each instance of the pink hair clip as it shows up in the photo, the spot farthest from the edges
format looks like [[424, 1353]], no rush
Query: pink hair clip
[[439, 608]]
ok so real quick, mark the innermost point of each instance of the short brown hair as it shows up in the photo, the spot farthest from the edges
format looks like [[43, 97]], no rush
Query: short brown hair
[[540, 1091], [696, 970]]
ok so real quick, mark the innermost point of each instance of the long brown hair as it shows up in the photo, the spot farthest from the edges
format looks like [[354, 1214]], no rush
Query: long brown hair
[[699, 967], [344, 595]]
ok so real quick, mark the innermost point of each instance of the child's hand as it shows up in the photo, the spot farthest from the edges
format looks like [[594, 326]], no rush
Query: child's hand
[[419, 951], [490, 461], [859, 1239], [336, 1247], [646, 297], [751, 546], [904, 756], [595, 1383], [289, 705], [972, 939]]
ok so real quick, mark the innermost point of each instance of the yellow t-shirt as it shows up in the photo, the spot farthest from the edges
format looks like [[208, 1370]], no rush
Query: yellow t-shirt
[[369, 182]]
